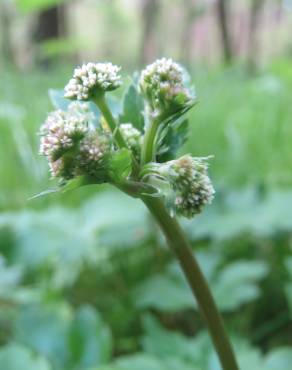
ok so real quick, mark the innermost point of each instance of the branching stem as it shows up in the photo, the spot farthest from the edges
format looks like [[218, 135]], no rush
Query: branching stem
[[177, 241]]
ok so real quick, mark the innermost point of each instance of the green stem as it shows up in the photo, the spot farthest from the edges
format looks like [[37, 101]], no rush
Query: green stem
[[181, 248], [148, 150], [102, 105], [118, 137]]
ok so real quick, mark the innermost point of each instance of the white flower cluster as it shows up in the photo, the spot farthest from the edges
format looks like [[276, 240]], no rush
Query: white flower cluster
[[61, 131], [133, 137], [162, 84], [91, 78], [71, 145], [190, 182]]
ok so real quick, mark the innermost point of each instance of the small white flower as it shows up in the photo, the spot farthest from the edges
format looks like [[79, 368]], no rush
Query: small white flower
[[91, 78]]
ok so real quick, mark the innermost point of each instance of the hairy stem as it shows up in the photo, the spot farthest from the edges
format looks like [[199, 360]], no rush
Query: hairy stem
[[148, 150], [178, 243]]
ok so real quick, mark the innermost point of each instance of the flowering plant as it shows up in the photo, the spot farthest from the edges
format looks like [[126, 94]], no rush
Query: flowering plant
[[137, 152]]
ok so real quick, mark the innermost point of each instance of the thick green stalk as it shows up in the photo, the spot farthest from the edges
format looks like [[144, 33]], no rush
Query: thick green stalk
[[181, 248], [148, 150]]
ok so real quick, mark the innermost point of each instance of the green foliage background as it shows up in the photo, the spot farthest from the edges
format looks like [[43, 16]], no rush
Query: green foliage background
[[86, 282]]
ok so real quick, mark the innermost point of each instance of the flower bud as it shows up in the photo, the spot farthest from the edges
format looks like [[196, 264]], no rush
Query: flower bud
[[91, 78], [190, 182], [162, 84], [133, 138], [94, 151]]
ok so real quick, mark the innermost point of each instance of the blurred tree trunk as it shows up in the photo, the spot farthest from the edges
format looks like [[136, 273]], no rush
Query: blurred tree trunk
[[186, 42], [50, 25], [192, 12], [150, 10], [256, 10], [224, 26], [6, 48]]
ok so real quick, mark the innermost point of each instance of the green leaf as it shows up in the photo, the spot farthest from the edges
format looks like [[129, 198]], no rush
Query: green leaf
[[172, 134], [133, 106], [233, 286], [106, 367], [288, 291], [172, 140], [144, 361], [247, 358], [169, 291], [58, 100], [163, 293], [288, 263], [89, 339], [279, 359], [175, 363], [10, 289], [65, 186], [120, 165], [165, 344], [75, 183], [44, 193], [16, 357], [139, 361], [236, 284], [43, 328]]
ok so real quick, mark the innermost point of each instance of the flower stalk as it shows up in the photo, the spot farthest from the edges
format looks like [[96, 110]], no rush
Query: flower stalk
[[107, 114], [180, 247], [148, 147]]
